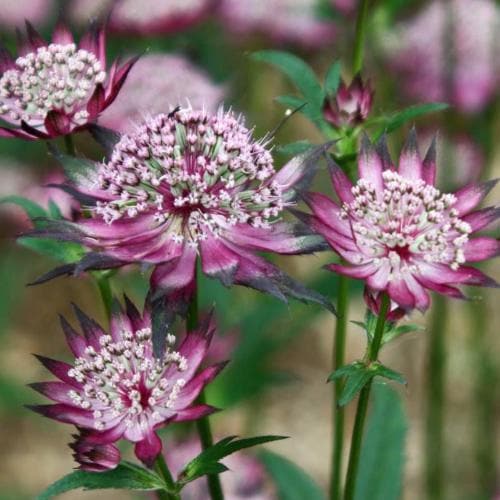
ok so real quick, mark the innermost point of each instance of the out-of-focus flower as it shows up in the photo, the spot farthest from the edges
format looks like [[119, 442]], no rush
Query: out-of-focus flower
[[294, 21], [351, 105], [157, 17], [117, 388], [192, 184], [246, 478], [14, 13], [457, 59], [399, 233], [346, 7], [58, 88], [156, 83], [94, 457]]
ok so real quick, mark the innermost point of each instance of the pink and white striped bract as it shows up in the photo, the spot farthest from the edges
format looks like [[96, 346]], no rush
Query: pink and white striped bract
[[399, 233], [116, 388], [58, 88]]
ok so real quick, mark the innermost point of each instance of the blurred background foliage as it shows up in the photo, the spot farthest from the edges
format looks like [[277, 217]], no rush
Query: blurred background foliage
[[280, 354]]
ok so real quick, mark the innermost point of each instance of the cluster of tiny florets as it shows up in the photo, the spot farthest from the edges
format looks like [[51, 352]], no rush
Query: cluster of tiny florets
[[195, 172], [409, 218], [123, 380], [56, 77]]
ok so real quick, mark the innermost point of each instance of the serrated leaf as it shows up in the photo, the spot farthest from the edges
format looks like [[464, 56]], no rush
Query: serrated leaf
[[384, 371], [126, 476], [33, 210], [299, 72], [385, 437], [397, 331], [207, 462], [332, 79], [292, 482], [295, 148], [346, 370], [354, 383]]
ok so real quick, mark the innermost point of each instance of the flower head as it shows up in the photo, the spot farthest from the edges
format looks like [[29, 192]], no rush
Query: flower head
[[92, 456], [116, 388], [399, 233], [188, 184], [173, 77], [58, 88], [351, 105]]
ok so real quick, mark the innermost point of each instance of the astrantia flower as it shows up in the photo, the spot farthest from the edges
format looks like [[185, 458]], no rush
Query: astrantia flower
[[173, 77], [58, 88], [351, 104], [399, 233], [92, 456], [116, 388], [189, 184], [457, 59], [246, 478], [294, 21], [14, 13]]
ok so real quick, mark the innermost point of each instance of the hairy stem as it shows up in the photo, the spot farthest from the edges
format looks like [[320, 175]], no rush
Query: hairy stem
[[338, 411], [364, 397], [359, 40], [434, 467], [161, 468], [203, 424]]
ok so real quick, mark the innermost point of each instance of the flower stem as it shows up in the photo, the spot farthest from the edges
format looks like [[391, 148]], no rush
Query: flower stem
[[161, 468], [203, 424], [359, 40], [104, 286], [338, 411], [364, 396], [435, 395], [70, 145]]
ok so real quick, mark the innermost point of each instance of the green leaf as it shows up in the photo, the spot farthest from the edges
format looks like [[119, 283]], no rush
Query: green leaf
[[299, 72], [396, 120], [397, 331], [125, 476], [355, 382], [384, 371], [292, 482], [207, 462], [345, 370], [290, 101], [383, 452], [32, 209], [295, 148], [332, 79], [62, 251], [54, 211], [77, 169]]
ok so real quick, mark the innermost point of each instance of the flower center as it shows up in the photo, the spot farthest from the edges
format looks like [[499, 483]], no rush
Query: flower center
[[57, 77], [122, 379], [409, 221], [196, 173]]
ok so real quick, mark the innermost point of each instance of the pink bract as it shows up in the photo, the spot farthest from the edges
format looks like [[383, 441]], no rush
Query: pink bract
[[14, 13], [92, 456], [116, 388], [173, 77], [400, 234], [58, 88]]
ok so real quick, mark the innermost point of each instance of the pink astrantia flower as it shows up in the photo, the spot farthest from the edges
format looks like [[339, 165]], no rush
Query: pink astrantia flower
[[399, 233], [192, 184], [58, 88], [246, 478], [457, 59], [351, 104], [294, 21], [346, 7], [173, 77], [14, 13], [92, 456], [116, 388]]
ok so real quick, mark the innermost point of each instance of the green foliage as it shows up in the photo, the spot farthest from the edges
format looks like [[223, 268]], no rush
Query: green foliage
[[126, 476], [380, 472], [332, 79], [292, 482], [295, 148], [207, 462]]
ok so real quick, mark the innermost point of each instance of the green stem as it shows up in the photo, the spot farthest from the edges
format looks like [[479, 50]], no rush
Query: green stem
[[338, 411], [161, 468], [104, 286], [203, 424], [359, 41], [434, 465], [70, 145], [364, 397]]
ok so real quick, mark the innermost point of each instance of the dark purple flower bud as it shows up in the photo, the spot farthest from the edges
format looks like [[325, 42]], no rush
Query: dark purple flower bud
[[93, 456], [351, 105]]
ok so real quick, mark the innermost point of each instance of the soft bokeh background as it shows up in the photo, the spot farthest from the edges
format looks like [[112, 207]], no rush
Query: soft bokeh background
[[416, 51]]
